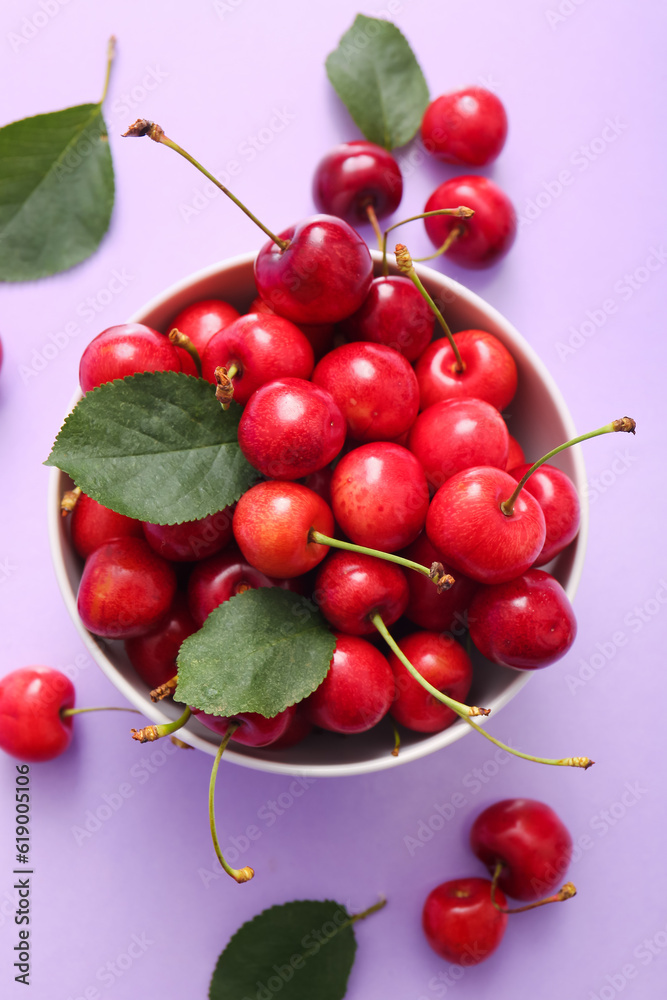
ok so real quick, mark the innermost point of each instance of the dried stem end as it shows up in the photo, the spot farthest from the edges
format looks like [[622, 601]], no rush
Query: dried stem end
[[403, 258], [146, 735], [164, 690], [442, 580], [584, 762], [243, 874], [626, 424], [474, 710], [69, 500], [143, 127], [224, 391]]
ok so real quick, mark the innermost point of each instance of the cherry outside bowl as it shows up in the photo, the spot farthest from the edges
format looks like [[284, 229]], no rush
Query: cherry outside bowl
[[539, 420]]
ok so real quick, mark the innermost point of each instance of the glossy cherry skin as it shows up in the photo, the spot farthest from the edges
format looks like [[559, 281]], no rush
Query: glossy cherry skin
[[557, 496], [445, 612], [351, 586], [467, 127], [461, 923], [379, 496], [530, 841], [263, 347], [31, 726], [375, 388], [444, 664], [153, 655], [526, 623], [92, 525], [322, 277], [466, 524], [125, 589], [191, 540], [393, 314], [290, 428], [201, 320], [354, 175], [124, 350], [271, 525], [458, 434], [488, 235], [515, 455], [490, 370], [318, 335], [222, 576], [254, 730], [357, 691], [299, 728]]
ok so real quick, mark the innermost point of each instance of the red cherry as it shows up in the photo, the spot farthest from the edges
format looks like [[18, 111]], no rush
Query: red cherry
[[222, 576], [153, 655], [320, 482], [261, 347], [445, 612], [461, 923], [323, 276], [466, 523], [93, 525], [467, 127], [393, 314], [525, 623], [488, 235], [444, 664], [458, 434], [357, 691], [254, 730], [297, 731], [490, 370], [515, 455], [557, 496], [191, 540], [290, 428], [124, 350], [318, 335], [31, 726], [201, 320], [354, 175], [271, 525], [351, 586], [379, 496], [125, 589], [375, 388], [529, 840]]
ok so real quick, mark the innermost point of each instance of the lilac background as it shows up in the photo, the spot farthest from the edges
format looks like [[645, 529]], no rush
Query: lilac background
[[214, 76]]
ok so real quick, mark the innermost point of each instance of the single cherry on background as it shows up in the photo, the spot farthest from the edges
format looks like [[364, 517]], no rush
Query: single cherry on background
[[375, 388], [190, 541], [489, 370], [153, 655], [528, 840], [358, 181], [255, 349], [557, 496], [357, 690], [92, 525], [466, 127], [253, 729], [351, 586], [393, 314], [32, 727], [481, 240], [441, 661], [460, 921], [125, 350], [525, 623], [439, 612], [291, 427], [318, 335]]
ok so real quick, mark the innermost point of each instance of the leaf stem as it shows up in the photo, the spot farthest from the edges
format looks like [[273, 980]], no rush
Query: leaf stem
[[442, 580], [238, 874], [111, 50], [584, 762], [151, 733], [565, 892]]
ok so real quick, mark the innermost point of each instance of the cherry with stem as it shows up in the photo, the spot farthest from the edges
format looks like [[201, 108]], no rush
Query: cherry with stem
[[239, 875], [565, 892], [179, 339], [436, 572], [459, 213]]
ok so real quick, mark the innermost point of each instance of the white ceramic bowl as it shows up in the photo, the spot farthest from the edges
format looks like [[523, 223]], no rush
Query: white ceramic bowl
[[539, 420]]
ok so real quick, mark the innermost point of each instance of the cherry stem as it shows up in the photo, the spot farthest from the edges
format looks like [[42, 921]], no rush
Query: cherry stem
[[224, 387], [69, 500], [151, 733], [456, 706], [66, 712], [461, 213], [238, 874], [626, 424], [164, 690], [452, 238], [179, 339], [405, 266], [566, 892], [584, 762], [144, 127], [373, 219], [397, 740], [111, 49], [442, 580]]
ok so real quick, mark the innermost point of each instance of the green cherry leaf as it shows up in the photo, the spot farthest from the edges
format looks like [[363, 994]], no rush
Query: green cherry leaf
[[260, 651], [376, 75], [308, 946], [156, 446], [56, 190]]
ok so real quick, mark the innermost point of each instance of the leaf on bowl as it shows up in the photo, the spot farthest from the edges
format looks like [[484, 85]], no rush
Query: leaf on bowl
[[307, 946], [155, 446], [56, 190], [376, 75], [260, 651]]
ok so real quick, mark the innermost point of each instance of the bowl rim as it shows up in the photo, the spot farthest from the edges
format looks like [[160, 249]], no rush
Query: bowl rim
[[430, 743]]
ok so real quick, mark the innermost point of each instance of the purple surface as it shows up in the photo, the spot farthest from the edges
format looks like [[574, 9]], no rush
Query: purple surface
[[243, 83]]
